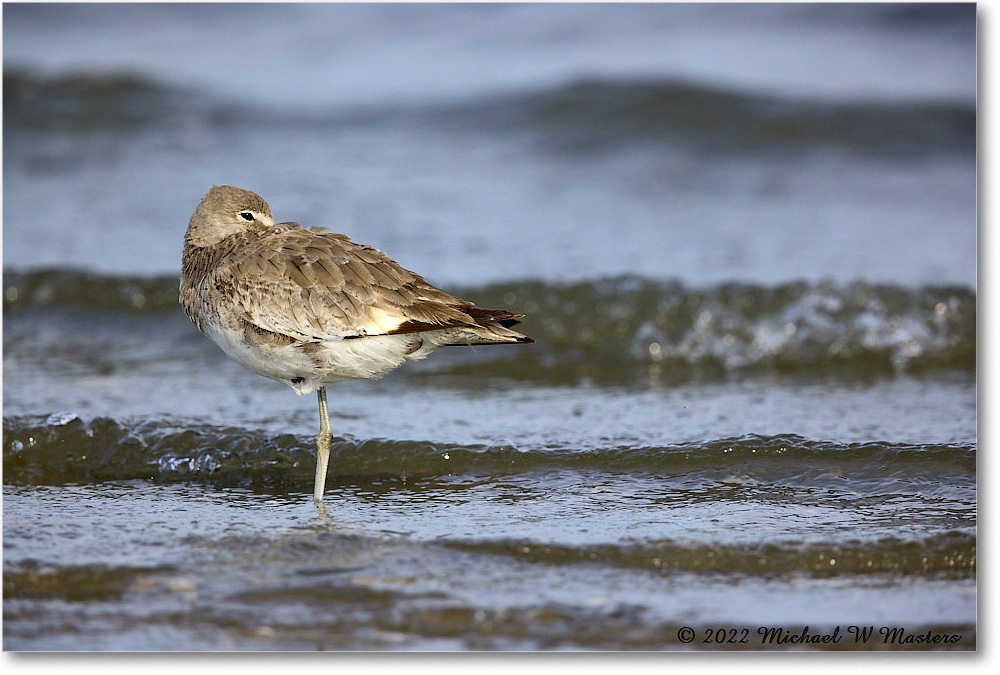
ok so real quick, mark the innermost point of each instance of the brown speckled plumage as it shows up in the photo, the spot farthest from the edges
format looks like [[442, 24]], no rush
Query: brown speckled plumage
[[309, 307], [310, 284]]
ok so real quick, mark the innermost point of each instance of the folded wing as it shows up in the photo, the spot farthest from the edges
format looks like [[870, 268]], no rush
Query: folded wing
[[312, 285]]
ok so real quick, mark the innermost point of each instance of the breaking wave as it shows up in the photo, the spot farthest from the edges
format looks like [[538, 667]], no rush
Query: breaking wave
[[628, 330], [63, 448]]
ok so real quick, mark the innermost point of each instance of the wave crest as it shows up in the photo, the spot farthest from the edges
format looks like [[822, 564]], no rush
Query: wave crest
[[63, 448], [629, 330]]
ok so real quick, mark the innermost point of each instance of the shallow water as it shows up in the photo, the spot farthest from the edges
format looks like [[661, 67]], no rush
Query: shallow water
[[750, 274], [234, 569]]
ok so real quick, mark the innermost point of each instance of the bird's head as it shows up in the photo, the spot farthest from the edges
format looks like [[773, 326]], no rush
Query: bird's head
[[226, 210]]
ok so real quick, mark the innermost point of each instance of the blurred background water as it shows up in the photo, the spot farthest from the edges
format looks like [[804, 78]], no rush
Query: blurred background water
[[745, 240]]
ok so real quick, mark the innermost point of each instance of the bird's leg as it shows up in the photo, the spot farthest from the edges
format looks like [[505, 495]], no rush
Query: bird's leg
[[323, 443]]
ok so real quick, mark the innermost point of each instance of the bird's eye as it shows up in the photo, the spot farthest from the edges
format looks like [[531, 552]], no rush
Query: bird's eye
[[246, 215]]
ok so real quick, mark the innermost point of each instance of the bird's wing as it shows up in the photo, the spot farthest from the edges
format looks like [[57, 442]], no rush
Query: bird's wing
[[312, 285]]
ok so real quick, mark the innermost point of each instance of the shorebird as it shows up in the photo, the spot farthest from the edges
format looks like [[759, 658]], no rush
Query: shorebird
[[308, 307]]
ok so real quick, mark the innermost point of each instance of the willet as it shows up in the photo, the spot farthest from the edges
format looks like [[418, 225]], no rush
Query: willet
[[308, 307]]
